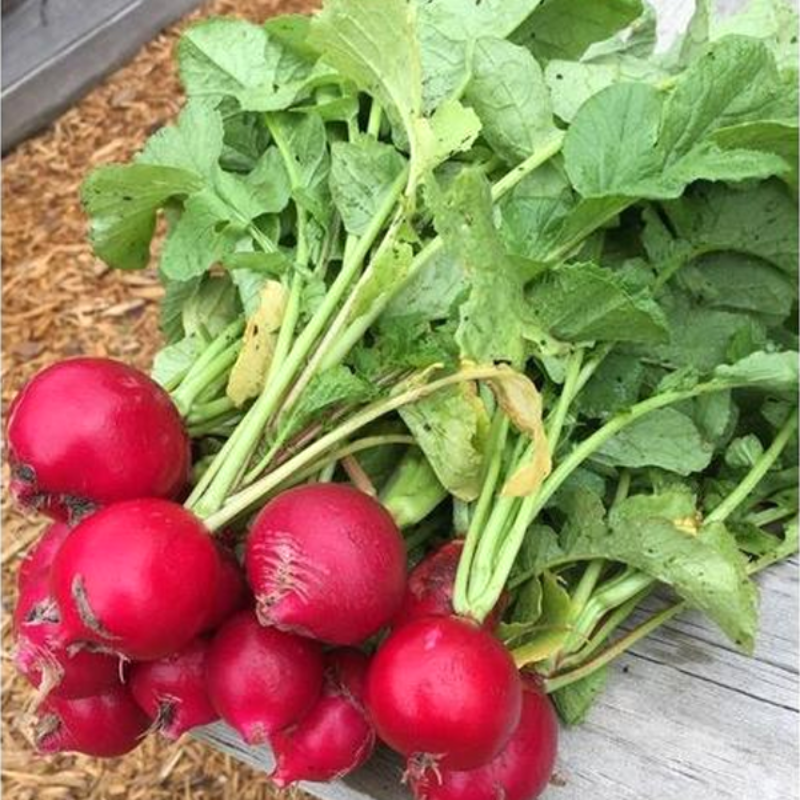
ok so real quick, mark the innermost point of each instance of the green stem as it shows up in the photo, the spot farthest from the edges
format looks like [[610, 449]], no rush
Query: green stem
[[375, 119], [586, 585], [532, 505], [358, 327], [495, 446], [217, 482], [208, 411], [243, 500], [614, 650], [568, 392], [754, 476], [770, 515], [185, 395], [611, 622]]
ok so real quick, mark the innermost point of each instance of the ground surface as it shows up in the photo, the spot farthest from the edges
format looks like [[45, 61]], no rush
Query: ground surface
[[59, 301]]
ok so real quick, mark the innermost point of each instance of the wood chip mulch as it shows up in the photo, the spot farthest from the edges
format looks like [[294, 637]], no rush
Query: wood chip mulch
[[58, 300]]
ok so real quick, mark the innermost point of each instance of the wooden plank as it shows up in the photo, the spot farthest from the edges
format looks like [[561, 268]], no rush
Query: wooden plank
[[685, 717], [54, 52]]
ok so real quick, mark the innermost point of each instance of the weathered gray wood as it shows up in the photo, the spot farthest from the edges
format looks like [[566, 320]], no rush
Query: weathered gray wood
[[685, 717], [55, 51]]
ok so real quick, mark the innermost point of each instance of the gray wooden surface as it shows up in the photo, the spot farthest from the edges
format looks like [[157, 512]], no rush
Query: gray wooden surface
[[54, 51], [685, 717]]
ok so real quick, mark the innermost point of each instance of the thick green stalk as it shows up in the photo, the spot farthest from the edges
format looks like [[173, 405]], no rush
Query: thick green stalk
[[243, 500], [495, 446], [186, 394], [413, 491]]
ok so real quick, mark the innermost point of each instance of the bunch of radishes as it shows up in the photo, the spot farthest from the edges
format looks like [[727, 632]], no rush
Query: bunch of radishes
[[132, 619]]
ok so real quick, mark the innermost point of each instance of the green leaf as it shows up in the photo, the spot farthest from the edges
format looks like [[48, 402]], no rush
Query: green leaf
[[220, 56], [614, 386], [432, 292], [574, 700], [172, 362], [703, 566], [453, 129], [362, 174], [757, 220], [731, 83], [612, 145], [376, 47], [584, 302], [194, 143], [700, 336], [211, 307], [198, 239], [744, 451], [229, 57], [122, 202], [769, 136], [566, 28], [490, 328], [328, 390], [269, 182], [740, 283], [767, 371], [626, 140], [508, 92], [451, 427], [665, 438], [176, 295], [572, 83], [660, 535], [303, 144], [553, 625], [448, 28], [387, 270]]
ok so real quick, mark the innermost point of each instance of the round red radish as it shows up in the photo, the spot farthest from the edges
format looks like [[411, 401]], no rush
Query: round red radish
[[72, 671], [430, 587], [336, 736], [520, 772], [105, 725], [261, 680], [138, 576], [172, 691], [326, 561], [41, 555], [445, 692], [92, 431], [232, 593]]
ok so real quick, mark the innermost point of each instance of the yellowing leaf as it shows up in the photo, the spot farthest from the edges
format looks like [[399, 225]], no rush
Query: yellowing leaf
[[520, 400], [250, 370]]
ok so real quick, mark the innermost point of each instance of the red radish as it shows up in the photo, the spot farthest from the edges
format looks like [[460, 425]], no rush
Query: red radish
[[261, 680], [70, 672], [105, 725], [172, 691], [138, 576], [336, 736], [92, 431], [326, 561], [232, 593], [431, 584], [41, 555], [520, 772], [445, 692]]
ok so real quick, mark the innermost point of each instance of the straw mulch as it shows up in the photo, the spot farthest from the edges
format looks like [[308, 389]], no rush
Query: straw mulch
[[59, 301]]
